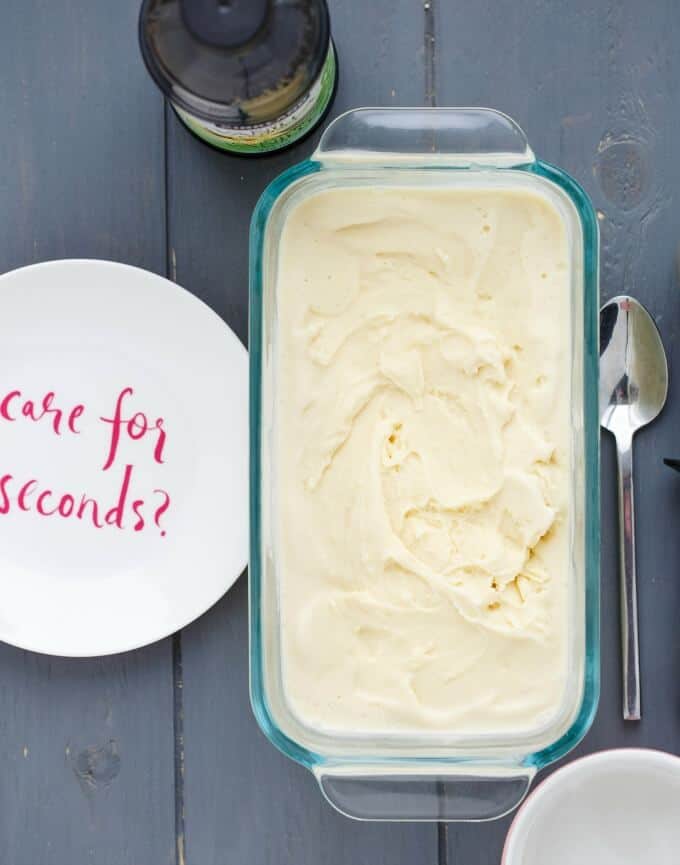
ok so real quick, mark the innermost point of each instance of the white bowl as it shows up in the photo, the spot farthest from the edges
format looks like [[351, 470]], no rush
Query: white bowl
[[618, 807]]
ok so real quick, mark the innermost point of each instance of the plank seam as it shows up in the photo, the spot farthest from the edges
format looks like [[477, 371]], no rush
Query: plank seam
[[170, 261], [178, 723], [430, 49], [442, 843], [177, 666]]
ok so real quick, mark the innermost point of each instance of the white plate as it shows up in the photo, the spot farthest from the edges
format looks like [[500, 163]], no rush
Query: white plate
[[617, 807], [87, 331]]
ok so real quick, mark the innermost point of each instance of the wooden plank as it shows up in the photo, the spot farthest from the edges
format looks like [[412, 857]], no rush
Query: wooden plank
[[87, 752], [87, 746], [243, 801], [595, 87]]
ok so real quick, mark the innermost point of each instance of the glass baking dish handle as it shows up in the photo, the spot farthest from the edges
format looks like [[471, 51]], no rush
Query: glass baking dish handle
[[464, 793], [453, 137]]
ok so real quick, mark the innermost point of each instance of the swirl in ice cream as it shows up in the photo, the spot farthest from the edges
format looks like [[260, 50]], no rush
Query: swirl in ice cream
[[423, 444]]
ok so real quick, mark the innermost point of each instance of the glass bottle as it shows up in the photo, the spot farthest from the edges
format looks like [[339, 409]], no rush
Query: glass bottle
[[247, 76]]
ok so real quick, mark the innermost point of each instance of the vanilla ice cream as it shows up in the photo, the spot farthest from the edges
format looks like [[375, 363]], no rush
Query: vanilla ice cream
[[423, 451]]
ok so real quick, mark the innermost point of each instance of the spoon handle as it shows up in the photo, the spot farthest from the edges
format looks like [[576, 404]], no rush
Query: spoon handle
[[629, 613]]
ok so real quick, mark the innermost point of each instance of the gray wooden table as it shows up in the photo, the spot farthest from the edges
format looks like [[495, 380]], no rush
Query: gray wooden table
[[153, 757]]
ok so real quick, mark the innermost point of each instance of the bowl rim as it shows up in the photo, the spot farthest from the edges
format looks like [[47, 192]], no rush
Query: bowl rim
[[648, 756]]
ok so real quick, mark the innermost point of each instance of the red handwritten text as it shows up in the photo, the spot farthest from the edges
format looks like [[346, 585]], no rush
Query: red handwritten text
[[127, 511], [137, 426], [130, 510], [14, 406]]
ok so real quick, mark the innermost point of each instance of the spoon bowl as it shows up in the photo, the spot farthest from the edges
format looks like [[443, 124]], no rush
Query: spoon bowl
[[633, 367]]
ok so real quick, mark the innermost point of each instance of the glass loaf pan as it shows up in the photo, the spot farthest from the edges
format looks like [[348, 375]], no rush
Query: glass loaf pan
[[426, 776]]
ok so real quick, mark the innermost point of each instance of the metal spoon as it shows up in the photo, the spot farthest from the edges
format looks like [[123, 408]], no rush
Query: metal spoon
[[633, 388]]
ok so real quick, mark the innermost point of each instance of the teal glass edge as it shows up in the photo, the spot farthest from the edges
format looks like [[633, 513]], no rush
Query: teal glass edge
[[258, 224], [591, 689], [591, 420]]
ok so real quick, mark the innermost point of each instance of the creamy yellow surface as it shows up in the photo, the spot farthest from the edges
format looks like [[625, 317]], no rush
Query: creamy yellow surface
[[423, 452]]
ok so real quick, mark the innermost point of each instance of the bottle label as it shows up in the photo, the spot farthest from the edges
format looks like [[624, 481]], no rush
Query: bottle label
[[279, 133]]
